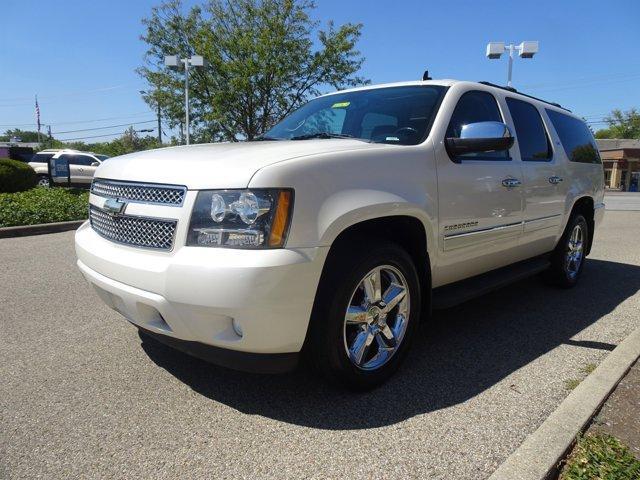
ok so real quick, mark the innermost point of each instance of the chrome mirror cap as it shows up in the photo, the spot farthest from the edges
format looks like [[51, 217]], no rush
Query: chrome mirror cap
[[486, 130]]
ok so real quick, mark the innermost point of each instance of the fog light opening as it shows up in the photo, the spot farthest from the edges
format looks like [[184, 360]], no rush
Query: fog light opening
[[236, 327]]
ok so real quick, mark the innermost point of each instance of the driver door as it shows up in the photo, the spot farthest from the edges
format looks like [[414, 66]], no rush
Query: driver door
[[479, 198]]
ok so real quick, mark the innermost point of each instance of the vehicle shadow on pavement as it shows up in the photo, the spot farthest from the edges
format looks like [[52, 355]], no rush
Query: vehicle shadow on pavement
[[464, 351]]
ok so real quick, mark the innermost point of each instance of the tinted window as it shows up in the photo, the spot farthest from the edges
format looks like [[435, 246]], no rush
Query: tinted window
[[80, 160], [530, 132], [576, 138], [42, 157], [395, 115], [373, 124], [474, 107]]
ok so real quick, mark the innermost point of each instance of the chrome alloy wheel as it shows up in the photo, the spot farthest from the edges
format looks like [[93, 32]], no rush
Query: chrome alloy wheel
[[376, 319], [575, 251]]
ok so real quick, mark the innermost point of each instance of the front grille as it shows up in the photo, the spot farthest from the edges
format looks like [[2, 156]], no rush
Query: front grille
[[136, 231], [140, 192]]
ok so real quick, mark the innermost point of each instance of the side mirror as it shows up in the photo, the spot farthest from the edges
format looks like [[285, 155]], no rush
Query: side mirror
[[95, 164], [481, 137]]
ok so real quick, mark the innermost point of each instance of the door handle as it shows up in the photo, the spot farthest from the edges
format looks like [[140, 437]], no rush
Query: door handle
[[511, 182], [555, 180]]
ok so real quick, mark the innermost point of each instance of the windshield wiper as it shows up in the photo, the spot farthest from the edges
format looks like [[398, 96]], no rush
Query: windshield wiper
[[263, 138], [321, 135]]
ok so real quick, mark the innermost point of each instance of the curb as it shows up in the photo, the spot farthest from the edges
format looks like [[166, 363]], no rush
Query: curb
[[25, 230], [541, 452]]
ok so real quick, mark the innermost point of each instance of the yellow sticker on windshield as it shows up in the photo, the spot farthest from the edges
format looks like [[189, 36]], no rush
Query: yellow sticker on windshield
[[341, 105]]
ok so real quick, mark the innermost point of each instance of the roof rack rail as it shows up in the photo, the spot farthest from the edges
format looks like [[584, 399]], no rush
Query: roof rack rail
[[511, 89]]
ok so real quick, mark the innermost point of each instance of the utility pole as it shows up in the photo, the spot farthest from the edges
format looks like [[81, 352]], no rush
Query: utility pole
[[159, 123], [525, 50], [158, 110], [194, 61]]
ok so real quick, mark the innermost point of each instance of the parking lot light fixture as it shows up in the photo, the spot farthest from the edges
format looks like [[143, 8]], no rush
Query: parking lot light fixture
[[173, 61], [525, 50]]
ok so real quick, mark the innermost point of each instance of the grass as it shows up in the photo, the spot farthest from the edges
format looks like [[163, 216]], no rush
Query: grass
[[574, 382], [43, 205], [600, 457]]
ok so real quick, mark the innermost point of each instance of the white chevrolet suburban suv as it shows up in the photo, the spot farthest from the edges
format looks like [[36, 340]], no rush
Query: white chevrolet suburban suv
[[334, 233]]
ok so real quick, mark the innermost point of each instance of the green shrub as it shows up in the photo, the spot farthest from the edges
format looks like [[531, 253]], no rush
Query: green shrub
[[16, 176], [43, 205]]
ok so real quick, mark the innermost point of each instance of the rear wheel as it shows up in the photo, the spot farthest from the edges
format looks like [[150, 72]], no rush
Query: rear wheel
[[43, 181], [365, 314], [567, 261]]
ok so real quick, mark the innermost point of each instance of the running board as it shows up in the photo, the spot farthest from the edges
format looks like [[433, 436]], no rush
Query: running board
[[459, 292]]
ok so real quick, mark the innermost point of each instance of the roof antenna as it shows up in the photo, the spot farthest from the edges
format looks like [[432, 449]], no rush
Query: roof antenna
[[425, 75]]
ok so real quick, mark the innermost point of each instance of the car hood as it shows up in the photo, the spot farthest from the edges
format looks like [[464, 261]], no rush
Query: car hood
[[218, 165]]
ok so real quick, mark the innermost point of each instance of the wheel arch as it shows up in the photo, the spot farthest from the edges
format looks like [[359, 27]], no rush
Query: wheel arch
[[406, 230], [585, 205]]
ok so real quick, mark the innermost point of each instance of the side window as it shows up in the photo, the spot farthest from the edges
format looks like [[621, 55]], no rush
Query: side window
[[80, 160], [374, 125], [41, 157], [68, 158], [576, 138], [475, 106], [530, 132]]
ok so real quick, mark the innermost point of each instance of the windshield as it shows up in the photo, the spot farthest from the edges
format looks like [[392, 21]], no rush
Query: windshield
[[102, 158], [395, 115]]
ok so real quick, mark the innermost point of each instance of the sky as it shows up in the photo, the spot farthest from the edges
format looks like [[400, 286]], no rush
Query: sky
[[80, 57]]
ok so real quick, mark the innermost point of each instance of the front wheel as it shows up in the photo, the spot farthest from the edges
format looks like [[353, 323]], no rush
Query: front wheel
[[567, 260], [365, 315]]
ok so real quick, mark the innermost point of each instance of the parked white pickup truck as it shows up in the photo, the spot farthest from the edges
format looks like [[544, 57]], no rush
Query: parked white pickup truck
[[338, 231]]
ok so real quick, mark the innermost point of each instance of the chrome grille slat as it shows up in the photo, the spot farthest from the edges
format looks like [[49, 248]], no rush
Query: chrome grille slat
[[131, 230], [172, 195]]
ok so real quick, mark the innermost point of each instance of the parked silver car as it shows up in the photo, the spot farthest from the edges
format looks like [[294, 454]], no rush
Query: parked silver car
[[82, 165]]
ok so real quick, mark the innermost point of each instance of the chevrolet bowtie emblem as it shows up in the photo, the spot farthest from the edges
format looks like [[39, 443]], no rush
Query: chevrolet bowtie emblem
[[114, 206]]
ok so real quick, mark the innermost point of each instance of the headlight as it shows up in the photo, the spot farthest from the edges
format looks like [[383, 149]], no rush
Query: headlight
[[257, 218]]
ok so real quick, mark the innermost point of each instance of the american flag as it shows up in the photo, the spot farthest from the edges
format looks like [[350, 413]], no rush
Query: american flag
[[37, 114]]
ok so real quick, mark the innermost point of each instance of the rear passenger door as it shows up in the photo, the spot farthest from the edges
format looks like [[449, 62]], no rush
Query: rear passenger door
[[544, 185], [479, 198]]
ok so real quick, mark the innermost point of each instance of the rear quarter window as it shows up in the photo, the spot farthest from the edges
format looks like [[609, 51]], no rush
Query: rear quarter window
[[41, 157], [577, 140]]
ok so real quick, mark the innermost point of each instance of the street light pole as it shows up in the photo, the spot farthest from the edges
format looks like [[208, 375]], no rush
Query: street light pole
[[194, 61], [525, 50], [186, 94]]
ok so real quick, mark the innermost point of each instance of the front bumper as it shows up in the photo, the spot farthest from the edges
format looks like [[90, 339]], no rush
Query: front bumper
[[192, 294]]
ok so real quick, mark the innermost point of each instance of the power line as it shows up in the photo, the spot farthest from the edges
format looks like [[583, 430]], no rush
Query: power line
[[48, 98], [102, 128], [75, 122], [91, 136]]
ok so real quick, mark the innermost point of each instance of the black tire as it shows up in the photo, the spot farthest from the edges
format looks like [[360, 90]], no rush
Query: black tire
[[564, 272], [329, 333], [43, 181]]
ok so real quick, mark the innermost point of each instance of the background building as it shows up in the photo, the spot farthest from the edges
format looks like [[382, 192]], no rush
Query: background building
[[621, 160]]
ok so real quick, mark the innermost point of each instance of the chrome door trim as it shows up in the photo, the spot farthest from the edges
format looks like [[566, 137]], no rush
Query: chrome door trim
[[549, 221], [475, 237]]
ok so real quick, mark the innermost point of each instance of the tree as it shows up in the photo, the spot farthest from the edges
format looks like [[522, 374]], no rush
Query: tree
[[263, 63], [23, 135], [621, 125]]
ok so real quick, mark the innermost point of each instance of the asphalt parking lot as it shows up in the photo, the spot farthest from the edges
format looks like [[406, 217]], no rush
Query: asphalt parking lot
[[82, 397]]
